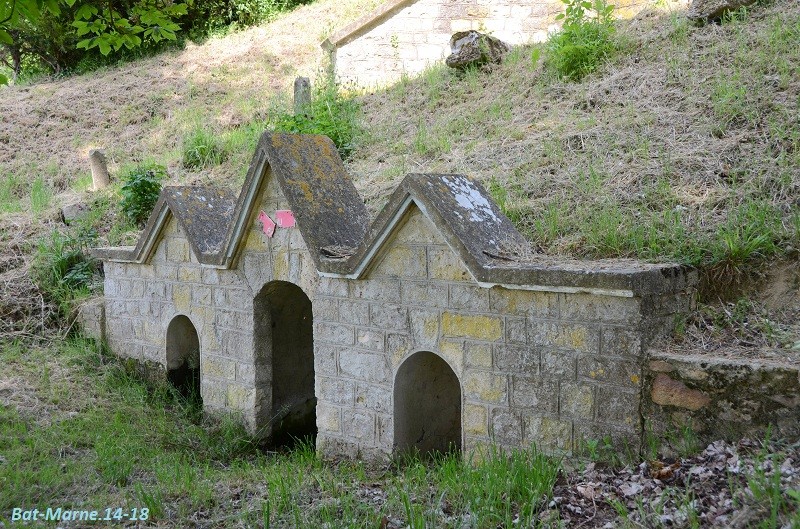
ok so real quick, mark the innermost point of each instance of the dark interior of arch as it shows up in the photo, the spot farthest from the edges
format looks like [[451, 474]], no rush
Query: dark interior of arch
[[284, 334], [427, 406], [183, 358]]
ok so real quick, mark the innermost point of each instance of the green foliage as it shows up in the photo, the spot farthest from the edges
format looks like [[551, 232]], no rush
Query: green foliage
[[140, 191], [586, 40], [202, 148], [330, 113], [63, 268]]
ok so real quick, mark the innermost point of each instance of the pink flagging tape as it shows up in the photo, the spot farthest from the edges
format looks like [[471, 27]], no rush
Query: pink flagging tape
[[269, 225], [285, 218]]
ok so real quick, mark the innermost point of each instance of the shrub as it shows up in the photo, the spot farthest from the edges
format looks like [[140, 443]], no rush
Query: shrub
[[330, 113], [586, 40], [140, 191], [202, 149], [63, 269]]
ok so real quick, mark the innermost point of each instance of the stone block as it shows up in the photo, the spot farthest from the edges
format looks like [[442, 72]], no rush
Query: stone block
[[445, 265], [610, 369], [590, 307], [516, 331], [331, 286], [188, 274], [506, 427], [548, 434], [329, 418], [424, 327], [201, 295], [215, 395], [617, 406], [558, 364], [568, 336], [369, 339], [385, 290], [372, 397], [257, 269], [359, 426], [385, 431], [476, 420], [576, 400], [326, 358], [210, 276], [402, 261], [326, 309], [469, 297], [616, 341], [535, 392], [397, 347], [517, 358], [217, 367], [477, 327], [428, 294], [241, 397], [669, 392], [486, 387], [333, 333], [523, 302], [354, 312], [453, 353], [182, 297], [388, 317], [334, 391], [364, 366], [248, 374], [177, 250], [478, 355]]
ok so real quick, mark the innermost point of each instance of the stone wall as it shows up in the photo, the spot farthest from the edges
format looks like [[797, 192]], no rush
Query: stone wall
[[142, 299], [379, 50], [544, 366]]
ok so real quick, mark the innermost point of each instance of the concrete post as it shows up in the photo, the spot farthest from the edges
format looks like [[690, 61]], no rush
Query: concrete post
[[302, 95], [97, 161]]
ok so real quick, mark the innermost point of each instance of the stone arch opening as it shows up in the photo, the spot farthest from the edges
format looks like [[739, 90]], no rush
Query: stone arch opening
[[183, 358], [427, 405], [284, 343]]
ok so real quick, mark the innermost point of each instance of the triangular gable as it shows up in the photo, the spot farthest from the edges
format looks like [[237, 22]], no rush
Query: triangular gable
[[333, 221]]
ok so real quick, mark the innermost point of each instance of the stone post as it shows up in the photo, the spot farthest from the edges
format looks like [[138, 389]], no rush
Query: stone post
[[302, 95], [97, 161]]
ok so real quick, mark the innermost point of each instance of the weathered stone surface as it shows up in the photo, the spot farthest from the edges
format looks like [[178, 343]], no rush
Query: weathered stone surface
[[73, 212], [669, 392], [710, 10], [470, 48]]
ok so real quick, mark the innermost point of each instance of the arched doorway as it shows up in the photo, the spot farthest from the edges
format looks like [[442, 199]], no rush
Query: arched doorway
[[427, 405], [284, 340], [183, 358]]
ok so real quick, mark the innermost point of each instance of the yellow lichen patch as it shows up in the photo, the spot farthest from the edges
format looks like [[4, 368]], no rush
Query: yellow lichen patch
[[477, 327], [476, 421], [574, 337], [255, 241], [182, 297], [635, 379]]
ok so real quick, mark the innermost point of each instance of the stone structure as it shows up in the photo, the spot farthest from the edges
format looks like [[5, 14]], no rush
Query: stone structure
[[403, 37], [420, 329]]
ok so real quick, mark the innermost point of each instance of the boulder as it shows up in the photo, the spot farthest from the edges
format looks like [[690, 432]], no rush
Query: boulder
[[471, 48], [710, 10], [72, 212]]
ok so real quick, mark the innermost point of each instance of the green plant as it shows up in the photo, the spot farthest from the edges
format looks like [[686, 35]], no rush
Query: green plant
[[329, 112], [63, 268], [140, 191], [586, 40], [202, 148]]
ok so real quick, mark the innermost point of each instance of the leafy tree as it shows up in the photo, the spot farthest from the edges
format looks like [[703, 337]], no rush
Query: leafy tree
[[108, 25]]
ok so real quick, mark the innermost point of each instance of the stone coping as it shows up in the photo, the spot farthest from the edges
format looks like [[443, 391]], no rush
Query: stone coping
[[334, 223], [366, 22]]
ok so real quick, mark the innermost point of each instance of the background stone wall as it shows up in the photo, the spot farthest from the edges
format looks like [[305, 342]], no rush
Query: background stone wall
[[419, 34]]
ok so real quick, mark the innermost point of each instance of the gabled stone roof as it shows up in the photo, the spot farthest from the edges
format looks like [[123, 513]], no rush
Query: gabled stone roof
[[334, 223]]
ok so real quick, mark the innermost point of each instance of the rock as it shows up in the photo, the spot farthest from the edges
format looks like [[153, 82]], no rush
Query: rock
[[73, 212], [470, 48], [709, 10], [669, 392]]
